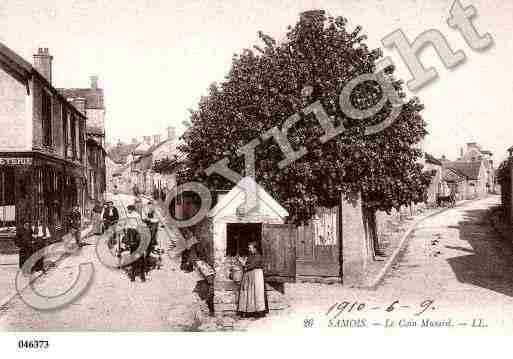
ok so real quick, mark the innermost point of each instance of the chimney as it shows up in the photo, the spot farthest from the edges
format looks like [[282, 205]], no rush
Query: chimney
[[43, 63], [79, 103], [94, 82], [147, 140], [461, 152], [156, 139], [171, 133]]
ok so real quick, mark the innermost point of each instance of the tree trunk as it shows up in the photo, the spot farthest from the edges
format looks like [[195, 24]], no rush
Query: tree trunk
[[371, 228]]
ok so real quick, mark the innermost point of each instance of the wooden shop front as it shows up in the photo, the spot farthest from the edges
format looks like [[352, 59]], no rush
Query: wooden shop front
[[35, 186]]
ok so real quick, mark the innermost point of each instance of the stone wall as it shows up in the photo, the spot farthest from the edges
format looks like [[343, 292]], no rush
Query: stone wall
[[96, 119], [356, 250]]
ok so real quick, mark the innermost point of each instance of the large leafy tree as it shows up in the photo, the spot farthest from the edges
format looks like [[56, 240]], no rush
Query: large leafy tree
[[271, 82]]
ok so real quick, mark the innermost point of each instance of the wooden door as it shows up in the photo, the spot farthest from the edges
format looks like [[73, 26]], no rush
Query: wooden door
[[279, 252], [318, 245]]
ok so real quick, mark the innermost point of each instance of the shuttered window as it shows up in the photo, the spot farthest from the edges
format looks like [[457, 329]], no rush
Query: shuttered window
[[64, 116], [46, 117]]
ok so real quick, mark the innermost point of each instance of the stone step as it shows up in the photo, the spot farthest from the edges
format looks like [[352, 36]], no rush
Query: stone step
[[227, 308]]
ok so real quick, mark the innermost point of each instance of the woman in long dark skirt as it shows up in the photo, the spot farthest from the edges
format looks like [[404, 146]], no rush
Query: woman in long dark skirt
[[252, 296], [24, 243], [41, 237]]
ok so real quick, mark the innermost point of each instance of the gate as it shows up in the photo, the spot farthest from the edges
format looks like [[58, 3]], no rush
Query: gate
[[279, 252], [318, 246]]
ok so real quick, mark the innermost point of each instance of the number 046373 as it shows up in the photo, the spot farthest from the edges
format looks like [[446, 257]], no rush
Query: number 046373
[[33, 344]]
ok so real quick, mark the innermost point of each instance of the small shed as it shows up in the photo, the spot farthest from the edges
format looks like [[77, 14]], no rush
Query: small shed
[[228, 230], [232, 230], [332, 247]]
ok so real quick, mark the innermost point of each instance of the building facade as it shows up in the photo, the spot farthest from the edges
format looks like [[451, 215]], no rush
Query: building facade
[[42, 144], [437, 186], [90, 102], [474, 175], [148, 181], [474, 153]]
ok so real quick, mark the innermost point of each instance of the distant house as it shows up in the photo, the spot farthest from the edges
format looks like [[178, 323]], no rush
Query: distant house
[[456, 183], [118, 159], [437, 185], [475, 175], [148, 180], [122, 153], [474, 153]]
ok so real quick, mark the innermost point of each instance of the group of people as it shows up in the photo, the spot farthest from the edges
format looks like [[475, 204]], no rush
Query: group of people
[[34, 237], [132, 235], [138, 244]]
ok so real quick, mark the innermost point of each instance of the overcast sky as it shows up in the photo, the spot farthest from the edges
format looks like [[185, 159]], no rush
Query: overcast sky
[[155, 58]]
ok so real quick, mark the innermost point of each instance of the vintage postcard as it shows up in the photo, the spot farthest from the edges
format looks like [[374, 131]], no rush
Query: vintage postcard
[[332, 166]]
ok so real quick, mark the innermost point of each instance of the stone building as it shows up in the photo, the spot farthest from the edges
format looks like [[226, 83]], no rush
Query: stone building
[[118, 162], [474, 175], [474, 153], [437, 186], [90, 102], [147, 179], [42, 144], [457, 183], [325, 250], [93, 107]]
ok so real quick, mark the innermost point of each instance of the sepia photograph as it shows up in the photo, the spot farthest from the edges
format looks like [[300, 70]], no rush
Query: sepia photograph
[[243, 167]]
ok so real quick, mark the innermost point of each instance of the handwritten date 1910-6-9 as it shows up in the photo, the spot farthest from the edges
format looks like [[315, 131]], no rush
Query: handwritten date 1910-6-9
[[347, 307]]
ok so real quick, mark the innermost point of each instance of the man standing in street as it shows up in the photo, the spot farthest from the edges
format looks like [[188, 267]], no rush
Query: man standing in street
[[75, 223], [135, 239], [110, 215], [97, 218]]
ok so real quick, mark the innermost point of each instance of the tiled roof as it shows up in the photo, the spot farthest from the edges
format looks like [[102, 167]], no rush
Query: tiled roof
[[120, 152], [22, 70], [452, 175], [93, 97], [432, 159], [14, 61], [141, 148], [469, 169], [153, 147]]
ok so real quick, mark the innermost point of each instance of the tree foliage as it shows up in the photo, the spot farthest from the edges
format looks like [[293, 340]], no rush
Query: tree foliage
[[269, 83], [504, 173], [165, 165]]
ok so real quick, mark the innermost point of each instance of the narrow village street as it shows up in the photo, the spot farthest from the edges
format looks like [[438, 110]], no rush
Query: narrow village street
[[455, 267], [111, 302]]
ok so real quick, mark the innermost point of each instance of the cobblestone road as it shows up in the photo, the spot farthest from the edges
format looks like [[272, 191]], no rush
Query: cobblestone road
[[454, 261], [111, 302]]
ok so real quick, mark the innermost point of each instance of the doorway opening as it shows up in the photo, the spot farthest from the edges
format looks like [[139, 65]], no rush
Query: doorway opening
[[239, 235]]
